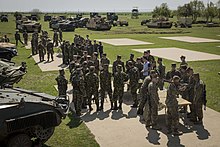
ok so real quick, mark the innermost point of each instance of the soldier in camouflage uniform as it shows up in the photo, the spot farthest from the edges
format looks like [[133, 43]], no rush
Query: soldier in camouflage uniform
[[55, 39], [105, 85], [92, 86], [96, 62], [199, 100], [62, 84], [66, 52], [50, 50], [134, 77], [119, 78], [183, 61], [42, 51], [173, 72], [161, 72], [148, 56], [60, 35], [144, 92], [116, 63], [132, 60], [173, 92], [78, 84], [25, 36], [104, 60], [153, 104], [62, 47]]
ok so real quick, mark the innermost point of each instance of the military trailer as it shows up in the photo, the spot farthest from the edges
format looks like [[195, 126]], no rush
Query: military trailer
[[29, 26], [159, 23], [4, 18], [98, 24], [120, 23], [134, 13], [184, 22], [7, 50], [112, 16]]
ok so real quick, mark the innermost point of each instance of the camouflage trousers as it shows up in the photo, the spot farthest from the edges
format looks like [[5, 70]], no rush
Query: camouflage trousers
[[143, 101], [77, 99], [151, 113], [102, 92], [62, 92], [41, 55], [198, 112], [91, 93], [118, 94], [49, 55], [161, 84], [172, 117], [134, 88]]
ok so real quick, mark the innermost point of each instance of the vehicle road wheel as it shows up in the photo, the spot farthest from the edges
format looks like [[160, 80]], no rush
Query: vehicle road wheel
[[43, 134], [20, 140]]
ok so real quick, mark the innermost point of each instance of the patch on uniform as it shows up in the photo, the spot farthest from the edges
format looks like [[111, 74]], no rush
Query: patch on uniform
[[51, 65], [123, 41], [175, 53], [190, 39]]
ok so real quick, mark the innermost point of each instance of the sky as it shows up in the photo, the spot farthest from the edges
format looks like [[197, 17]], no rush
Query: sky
[[87, 5]]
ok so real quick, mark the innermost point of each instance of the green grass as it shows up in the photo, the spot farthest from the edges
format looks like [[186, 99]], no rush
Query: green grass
[[74, 133]]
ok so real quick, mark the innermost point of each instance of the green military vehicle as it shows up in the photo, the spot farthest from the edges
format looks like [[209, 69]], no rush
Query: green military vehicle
[[47, 17], [4, 18], [94, 14], [120, 23], [29, 26], [27, 118], [98, 24], [112, 16], [159, 23]]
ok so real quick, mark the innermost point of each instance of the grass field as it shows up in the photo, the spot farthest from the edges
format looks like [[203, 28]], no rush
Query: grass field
[[72, 132]]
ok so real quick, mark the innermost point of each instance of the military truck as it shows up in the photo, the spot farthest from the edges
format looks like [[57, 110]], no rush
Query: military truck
[[29, 26], [4, 18], [27, 118], [159, 23], [7, 50], [112, 16], [134, 13], [120, 23], [184, 22], [98, 24]]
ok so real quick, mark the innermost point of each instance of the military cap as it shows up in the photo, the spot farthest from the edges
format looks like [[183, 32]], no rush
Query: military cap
[[85, 63], [75, 56], [196, 75], [184, 57], [88, 56], [85, 52], [78, 57], [119, 66], [130, 63], [144, 57], [189, 69], [92, 68], [132, 55], [147, 51], [95, 53], [77, 65], [160, 59], [152, 72], [94, 41], [183, 67], [138, 58], [118, 56], [173, 64], [104, 54], [105, 65], [176, 78]]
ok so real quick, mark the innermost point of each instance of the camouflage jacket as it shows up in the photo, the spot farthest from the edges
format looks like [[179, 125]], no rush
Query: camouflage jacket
[[161, 71], [105, 80], [119, 79], [91, 81], [139, 66], [199, 92], [171, 74], [62, 82], [105, 61], [144, 86], [172, 95], [134, 76], [115, 63], [153, 93], [50, 47]]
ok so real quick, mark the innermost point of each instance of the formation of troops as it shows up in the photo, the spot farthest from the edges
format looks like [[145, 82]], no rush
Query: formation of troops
[[92, 81]]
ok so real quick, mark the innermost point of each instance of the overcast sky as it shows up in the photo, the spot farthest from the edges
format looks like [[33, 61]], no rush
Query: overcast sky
[[87, 5]]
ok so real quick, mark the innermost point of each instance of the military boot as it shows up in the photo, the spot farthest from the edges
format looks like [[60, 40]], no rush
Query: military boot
[[135, 105], [115, 106], [101, 107], [176, 132], [156, 127], [139, 112], [97, 107], [120, 106]]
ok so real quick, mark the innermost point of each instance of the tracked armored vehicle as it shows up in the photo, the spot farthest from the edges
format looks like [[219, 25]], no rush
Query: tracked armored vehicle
[[98, 24], [159, 23]]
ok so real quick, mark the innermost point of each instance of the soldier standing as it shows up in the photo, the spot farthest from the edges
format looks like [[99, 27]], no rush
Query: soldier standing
[[172, 106], [199, 99], [50, 50], [55, 38], [95, 47], [18, 38], [25, 36], [62, 84], [105, 85], [96, 62], [42, 51], [104, 60], [92, 86], [100, 49], [153, 104], [149, 57], [60, 35], [132, 60], [116, 63], [134, 77], [161, 73], [78, 84], [173, 72], [183, 61], [119, 78]]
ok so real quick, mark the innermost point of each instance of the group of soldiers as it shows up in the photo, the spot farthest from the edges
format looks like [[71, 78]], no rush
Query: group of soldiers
[[92, 80]]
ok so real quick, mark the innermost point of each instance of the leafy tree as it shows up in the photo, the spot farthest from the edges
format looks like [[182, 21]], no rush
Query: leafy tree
[[211, 11], [162, 11]]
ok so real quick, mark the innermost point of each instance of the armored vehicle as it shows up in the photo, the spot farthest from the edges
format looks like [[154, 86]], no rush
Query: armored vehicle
[[112, 16], [29, 26], [94, 14], [47, 17], [27, 118], [98, 24], [134, 12], [120, 23], [4, 18], [184, 22], [82, 22], [159, 23], [65, 25], [7, 50], [79, 16], [144, 22]]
